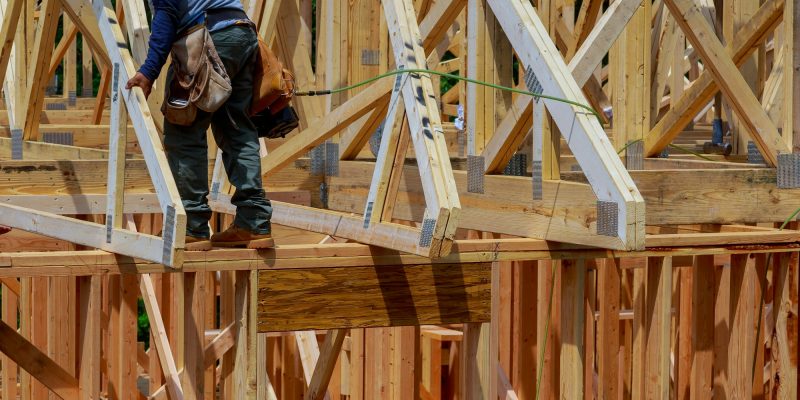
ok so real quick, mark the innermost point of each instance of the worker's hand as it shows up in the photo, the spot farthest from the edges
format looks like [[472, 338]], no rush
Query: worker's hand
[[141, 81]]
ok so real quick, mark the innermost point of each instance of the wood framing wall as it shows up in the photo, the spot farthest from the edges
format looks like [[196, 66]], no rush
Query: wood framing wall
[[437, 239]]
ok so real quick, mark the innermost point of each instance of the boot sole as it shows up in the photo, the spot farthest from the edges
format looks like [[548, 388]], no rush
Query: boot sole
[[249, 244]]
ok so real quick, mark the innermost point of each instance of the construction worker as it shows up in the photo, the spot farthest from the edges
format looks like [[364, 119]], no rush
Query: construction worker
[[235, 40]]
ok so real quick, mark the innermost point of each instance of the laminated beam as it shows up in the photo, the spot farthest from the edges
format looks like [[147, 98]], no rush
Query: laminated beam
[[353, 297]]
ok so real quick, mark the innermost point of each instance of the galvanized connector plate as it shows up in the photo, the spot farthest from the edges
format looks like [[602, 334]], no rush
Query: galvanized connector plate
[[517, 165], [607, 218], [65, 138], [634, 159], [788, 173], [538, 181], [475, 168], [370, 57], [426, 235], [109, 227], [368, 213], [753, 154], [16, 144], [533, 84], [332, 158], [317, 155], [169, 238], [214, 195]]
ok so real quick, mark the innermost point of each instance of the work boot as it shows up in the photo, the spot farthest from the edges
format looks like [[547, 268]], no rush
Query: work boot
[[197, 244], [240, 237]]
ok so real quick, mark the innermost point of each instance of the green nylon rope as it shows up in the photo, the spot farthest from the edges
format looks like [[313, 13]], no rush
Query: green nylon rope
[[446, 75]]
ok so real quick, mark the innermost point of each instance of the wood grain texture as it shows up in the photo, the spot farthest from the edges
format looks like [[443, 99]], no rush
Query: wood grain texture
[[353, 297]]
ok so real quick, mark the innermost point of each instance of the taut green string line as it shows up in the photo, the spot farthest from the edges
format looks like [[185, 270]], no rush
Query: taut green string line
[[446, 75]]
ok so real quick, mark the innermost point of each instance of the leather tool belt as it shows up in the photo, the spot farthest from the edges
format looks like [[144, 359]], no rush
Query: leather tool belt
[[199, 80]]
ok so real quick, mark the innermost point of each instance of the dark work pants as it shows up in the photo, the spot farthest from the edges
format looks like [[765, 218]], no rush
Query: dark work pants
[[187, 150]]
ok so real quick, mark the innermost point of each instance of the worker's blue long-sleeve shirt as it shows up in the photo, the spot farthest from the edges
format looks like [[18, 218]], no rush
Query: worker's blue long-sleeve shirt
[[172, 17]]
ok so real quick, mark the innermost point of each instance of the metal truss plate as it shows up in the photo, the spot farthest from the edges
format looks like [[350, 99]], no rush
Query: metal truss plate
[[538, 182], [88, 92], [517, 165], [55, 106], [753, 154], [607, 218], [169, 239], [426, 235], [65, 138], [634, 159], [214, 190], [72, 98], [109, 227], [317, 155], [475, 168], [788, 173], [532, 82], [370, 57], [16, 144], [368, 213], [331, 158]]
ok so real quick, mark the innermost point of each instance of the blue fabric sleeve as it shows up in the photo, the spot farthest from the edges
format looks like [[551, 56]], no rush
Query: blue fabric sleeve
[[162, 36]]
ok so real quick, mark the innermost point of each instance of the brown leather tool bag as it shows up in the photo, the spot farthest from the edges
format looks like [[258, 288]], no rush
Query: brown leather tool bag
[[273, 85], [199, 80]]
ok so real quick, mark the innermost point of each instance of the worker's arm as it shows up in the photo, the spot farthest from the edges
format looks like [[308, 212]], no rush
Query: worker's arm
[[162, 36]]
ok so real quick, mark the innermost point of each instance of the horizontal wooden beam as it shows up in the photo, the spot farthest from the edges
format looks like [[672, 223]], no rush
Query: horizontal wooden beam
[[722, 196], [135, 203], [96, 262], [358, 297], [83, 135], [52, 151], [87, 177]]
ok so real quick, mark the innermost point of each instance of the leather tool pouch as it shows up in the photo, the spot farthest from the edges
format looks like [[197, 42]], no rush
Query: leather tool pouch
[[199, 80], [273, 85]]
